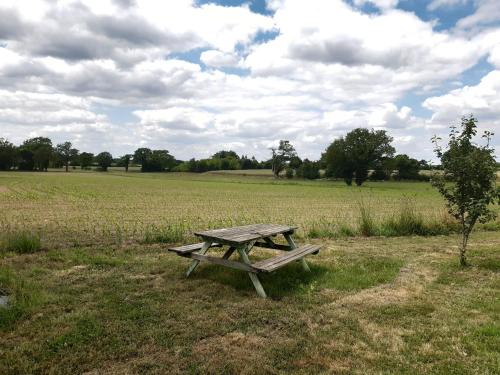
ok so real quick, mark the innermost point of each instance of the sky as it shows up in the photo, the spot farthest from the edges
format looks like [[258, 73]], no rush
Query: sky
[[197, 76]]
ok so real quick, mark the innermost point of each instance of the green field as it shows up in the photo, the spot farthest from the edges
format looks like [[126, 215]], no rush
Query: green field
[[84, 208], [103, 296]]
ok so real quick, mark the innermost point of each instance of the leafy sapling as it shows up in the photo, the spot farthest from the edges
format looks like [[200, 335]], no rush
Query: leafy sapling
[[468, 179]]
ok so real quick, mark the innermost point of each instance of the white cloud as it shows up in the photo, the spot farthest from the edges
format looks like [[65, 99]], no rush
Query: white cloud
[[219, 59], [436, 4], [487, 11], [329, 69], [382, 4], [482, 99]]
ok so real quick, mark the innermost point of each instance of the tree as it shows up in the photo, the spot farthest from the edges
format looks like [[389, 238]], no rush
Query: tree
[[154, 161], [125, 161], [225, 154], [8, 155], [141, 155], [86, 159], [338, 163], [104, 160], [406, 167], [468, 180], [35, 154], [352, 156], [308, 170], [66, 153], [281, 157]]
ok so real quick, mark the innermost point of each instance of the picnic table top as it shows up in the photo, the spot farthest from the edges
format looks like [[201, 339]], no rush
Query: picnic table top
[[246, 233]]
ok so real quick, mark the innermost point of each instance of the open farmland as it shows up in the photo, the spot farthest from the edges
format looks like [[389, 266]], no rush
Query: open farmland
[[100, 298], [88, 208]]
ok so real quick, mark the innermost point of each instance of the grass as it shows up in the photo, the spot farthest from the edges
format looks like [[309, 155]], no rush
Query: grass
[[20, 242], [383, 296], [370, 305], [85, 208]]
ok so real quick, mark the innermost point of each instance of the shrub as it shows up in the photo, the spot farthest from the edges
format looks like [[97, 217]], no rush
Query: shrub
[[21, 242], [289, 173]]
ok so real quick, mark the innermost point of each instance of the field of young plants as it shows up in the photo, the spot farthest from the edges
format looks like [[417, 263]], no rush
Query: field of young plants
[[86, 285], [88, 208]]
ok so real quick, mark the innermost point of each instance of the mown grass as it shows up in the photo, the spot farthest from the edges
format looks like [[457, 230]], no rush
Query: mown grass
[[370, 305]]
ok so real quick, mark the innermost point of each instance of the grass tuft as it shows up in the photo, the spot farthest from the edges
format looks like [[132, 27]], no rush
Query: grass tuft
[[21, 242], [366, 223], [167, 234]]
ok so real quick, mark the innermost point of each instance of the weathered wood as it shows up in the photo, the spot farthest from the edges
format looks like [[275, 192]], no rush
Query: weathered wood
[[229, 252], [291, 242], [269, 265], [242, 250], [195, 262], [221, 261], [190, 248], [275, 246], [243, 234]]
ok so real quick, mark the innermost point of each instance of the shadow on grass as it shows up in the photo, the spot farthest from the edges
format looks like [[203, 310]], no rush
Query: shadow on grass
[[293, 280]]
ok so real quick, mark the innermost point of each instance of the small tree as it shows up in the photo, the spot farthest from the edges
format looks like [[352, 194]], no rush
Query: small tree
[[125, 161], [66, 153], [468, 180], [104, 160], [281, 157], [86, 159]]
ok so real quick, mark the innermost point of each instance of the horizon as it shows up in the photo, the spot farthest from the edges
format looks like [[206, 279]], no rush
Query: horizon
[[197, 77]]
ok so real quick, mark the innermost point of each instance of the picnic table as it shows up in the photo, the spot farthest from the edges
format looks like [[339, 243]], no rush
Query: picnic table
[[242, 240]]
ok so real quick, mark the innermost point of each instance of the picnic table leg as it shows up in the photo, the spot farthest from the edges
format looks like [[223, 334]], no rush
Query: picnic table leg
[[243, 250], [195, 262], [290, 241], [229, 252]]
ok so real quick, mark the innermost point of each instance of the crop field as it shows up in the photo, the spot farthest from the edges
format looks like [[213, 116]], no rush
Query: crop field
[[87, 207], [100, 295]]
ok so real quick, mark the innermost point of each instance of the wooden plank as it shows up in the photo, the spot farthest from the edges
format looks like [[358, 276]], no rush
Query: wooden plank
[[246, 233], [190, 248], [291, 242], [221, 261], [229, 252], [195, 262], [272, 264], [275, 246]]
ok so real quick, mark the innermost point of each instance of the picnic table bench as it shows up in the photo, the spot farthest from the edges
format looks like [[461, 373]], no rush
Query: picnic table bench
[[243, 239]]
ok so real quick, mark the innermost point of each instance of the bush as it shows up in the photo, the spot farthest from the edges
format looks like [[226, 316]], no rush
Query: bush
[[21, 242], [289, 173]]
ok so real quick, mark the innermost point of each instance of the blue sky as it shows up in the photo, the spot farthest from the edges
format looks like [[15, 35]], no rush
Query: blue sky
[[197, 76]]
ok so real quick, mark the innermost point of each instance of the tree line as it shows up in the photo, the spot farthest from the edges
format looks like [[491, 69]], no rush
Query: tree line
[[359, 155]]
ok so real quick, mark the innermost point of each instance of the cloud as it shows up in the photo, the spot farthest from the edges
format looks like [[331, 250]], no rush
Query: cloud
[[436, 4], [487, 11], [119, 74], [219, 59], [482, 99], [382, 4]]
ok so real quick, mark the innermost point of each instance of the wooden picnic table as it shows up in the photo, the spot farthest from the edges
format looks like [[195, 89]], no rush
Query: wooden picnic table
[[242, 240]]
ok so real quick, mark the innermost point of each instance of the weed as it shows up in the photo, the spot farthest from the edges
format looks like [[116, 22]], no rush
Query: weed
[[21, 242]]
